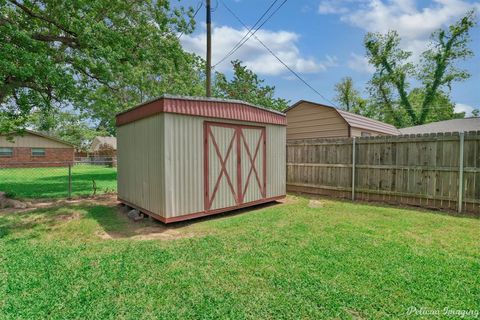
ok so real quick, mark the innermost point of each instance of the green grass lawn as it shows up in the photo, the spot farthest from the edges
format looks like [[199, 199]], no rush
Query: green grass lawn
[[51, 183], [292, 261]]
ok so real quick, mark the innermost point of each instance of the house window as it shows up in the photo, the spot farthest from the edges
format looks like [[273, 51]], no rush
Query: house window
[[366, 134], [6, 152], [38, 152]]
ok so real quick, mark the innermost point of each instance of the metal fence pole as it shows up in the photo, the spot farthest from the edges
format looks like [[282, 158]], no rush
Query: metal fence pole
[[353, 169], [69, 181], [460, 172]]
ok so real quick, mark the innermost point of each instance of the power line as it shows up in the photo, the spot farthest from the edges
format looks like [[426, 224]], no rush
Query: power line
[[200, 4], [280, 60], [247, 33], [250, 33]]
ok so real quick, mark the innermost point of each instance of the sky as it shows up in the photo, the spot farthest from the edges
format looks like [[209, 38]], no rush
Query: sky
[[322, 40]]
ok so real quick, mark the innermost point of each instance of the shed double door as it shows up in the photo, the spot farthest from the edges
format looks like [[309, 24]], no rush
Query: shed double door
[[234, 165]]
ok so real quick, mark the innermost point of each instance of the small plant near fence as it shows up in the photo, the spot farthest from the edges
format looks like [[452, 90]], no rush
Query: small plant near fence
[[56, 180]]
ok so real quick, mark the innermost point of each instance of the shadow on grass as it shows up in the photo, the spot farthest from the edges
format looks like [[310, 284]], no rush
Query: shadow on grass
[[226, 214], [117, 224], [32, 224], [111, 222]]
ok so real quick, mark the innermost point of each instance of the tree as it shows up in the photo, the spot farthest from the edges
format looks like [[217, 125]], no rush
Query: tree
[[96, 56], [476, 113], [78, 129], [435, 72], [441, 106], [246, 86], [346, 94]]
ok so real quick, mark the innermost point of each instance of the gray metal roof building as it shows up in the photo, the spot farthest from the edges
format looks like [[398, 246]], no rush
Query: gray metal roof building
[[454, 125]]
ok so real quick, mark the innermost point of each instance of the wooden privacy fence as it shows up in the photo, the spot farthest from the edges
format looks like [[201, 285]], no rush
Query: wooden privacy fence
[[440, 171]]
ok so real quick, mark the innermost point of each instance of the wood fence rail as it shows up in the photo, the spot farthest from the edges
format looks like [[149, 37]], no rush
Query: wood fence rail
[[440, 171]]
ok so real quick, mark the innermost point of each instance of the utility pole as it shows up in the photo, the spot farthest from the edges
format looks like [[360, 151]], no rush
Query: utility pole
[[209, 51]]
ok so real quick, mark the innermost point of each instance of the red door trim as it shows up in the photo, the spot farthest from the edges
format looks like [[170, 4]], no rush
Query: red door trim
[[239, 166], [223, 170], [261, 184], [236, 138]]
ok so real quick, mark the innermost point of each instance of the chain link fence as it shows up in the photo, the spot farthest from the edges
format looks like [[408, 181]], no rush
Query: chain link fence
[[57, 180]]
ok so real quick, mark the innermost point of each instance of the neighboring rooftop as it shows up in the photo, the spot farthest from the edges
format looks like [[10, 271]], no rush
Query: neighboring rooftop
[[454, 125], [39, 134], [356, 121]]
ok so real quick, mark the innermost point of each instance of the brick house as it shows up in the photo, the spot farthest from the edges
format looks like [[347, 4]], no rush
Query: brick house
[[33, 149]]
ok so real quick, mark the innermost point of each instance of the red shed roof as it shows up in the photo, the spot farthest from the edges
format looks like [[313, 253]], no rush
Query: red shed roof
[[204, 107]]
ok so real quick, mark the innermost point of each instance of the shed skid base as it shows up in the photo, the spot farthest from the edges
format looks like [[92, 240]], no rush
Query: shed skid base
[[201, 213]]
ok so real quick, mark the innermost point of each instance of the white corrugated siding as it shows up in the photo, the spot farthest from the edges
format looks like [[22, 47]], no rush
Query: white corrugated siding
[[140, 161], [184, 165], [276, 161]]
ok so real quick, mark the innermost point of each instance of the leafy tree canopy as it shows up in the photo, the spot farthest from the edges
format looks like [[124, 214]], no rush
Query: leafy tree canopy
[[245, 85], [390, 87], [97, 56], [78, 129], [346, 95]]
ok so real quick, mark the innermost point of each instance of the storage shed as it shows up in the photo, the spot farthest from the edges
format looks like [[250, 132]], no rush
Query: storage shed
[[311, 120], [182, 157]]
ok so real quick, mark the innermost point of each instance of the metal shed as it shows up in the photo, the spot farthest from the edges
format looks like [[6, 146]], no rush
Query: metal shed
[[181, 158]]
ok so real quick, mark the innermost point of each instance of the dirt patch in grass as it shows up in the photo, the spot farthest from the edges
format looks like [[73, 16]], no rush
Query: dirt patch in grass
[[290, 199], [146, 229], [113, 221], [315, 203], [104, 199], [67, 217]]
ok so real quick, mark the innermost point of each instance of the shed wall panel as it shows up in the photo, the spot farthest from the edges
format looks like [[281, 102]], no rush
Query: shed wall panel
[[141, 166], [276, 161], [184, 163]]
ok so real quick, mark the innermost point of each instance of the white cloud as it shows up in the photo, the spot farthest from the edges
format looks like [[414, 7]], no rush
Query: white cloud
[[360, 63], [329, 6], [253, 54], [461, 107], [413, 24]]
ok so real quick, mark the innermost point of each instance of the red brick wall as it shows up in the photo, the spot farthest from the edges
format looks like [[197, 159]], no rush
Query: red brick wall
[[22, 158]]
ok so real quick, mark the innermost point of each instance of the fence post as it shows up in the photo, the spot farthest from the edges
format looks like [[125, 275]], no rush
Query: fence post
[[69, 181], [460, 172], [353, 169]]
